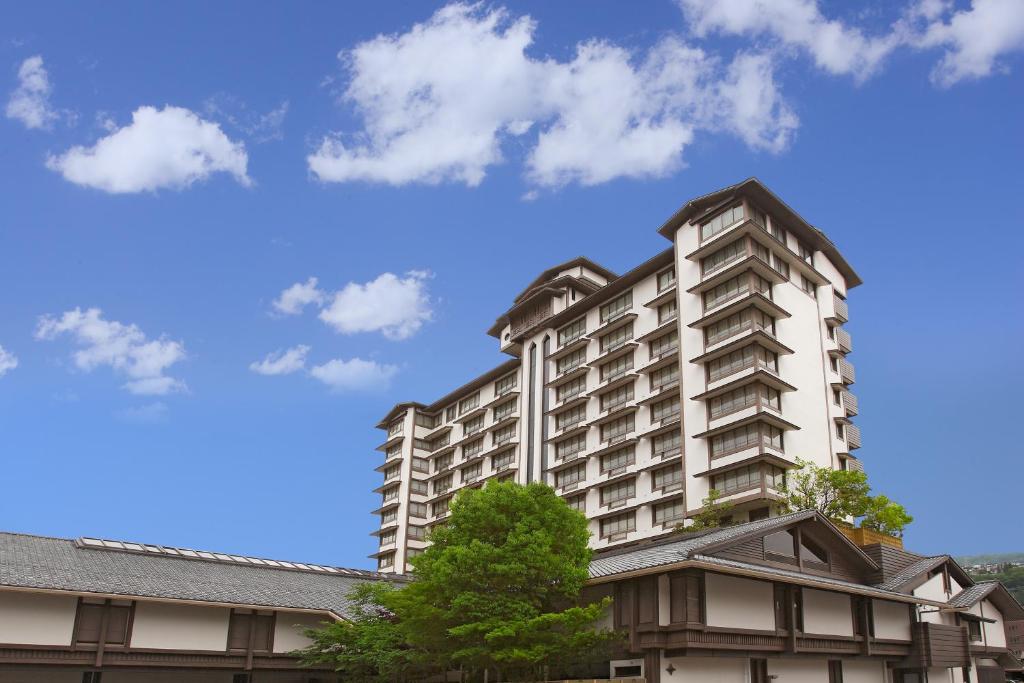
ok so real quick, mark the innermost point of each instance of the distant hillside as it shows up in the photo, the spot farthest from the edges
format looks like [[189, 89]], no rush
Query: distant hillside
[[993, 558], [1011, 576]]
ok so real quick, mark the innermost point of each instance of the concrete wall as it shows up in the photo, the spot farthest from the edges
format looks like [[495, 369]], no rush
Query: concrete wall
[[36, 618], [288, 630], [739, 603], [827, 612], [180, 627], [892, 620]]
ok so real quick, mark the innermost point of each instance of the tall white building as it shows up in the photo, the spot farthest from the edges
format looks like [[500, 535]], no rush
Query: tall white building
[[718, 363]]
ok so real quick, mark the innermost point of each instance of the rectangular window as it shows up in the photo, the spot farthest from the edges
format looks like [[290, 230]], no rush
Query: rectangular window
[[739, 479], [578, 503], [806, 253], [422, 444], [686, 598], [808, 286], [669, 513], [440, 507], [747, 436], [665, 344], [418, 510], [759, 671], [721, 222], [504, 435], [777, 231], [668, 478], [89, 622], [443, 462], [428, 421], [618, 461], [394, 452], [742, 359], [572, 332], [247, 626], [738, 323], [618, 493], [835, 671], [440, 442], [616, 368], [732, 402], [666, 279], [617, 430], [473, 448], [418, 533], [472, 473], [780, 265], [570, 447], [571, 476], [449, 413], [667, 311], [974, 630], [506, 409], [616, 308], [389, 517], [617, 527], [571, 418], [505, 385], [386, 561], [735, 287], [392, 472], [616, 338], [443, 484], [571, 362], [570, 389], [666, 445], [387, 538], [395, 427], [390, 494], [665, 410], [469, 403], [473, 426], [664, 377], [420, 465], [502, 461], [418, 487], [618, 397], [719, 259], [759, 217]]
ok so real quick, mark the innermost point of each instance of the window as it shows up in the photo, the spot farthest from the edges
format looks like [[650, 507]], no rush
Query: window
[[806, 253], [571, 362], [389, 517], [743, 359], [473, 448], [686, 598], [504, 435], [395, 428], [473, 426], [418, 510], [665, 410], [738, 323], [618, 460], [723, 257], [504, 410], [747, 436], [443, 462], [759, 671], [420, 465], [776, 478], [734, 401], [440, 442], [440, 507], [761, 252], [91, 615], [667, 311], [502, 461], [721, 222], [808, 286], [247, 627], [422, 444], [571, 389], [759, 217], [668, 478], [443, 484], [666, 445], [615, 431], [428, 421], [387, 538], [617, 527], [569, 447], [837, 397], [577, 502], [571, 417], [734, 287], [469, 403], [812, 552], [392, 472], [974, 629], [572, 332], [571, 476], [618, 493], [617, 397], [666, 279], [739, 479], [780, 265], [505, 385], [835, 671], [616, 338], [394, 451], [670, 512], [449, 413], [390, 494], [664, 377], [777, 231], [665, 344], [781, 543], [418, 487], [472, 473], [617, 367], [616, 308], [840, 431], [418, 533]]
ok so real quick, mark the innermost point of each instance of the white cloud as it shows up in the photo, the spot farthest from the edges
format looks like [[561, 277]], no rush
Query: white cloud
[[161, 148], [122, 347], [149, 413], [439, 101], [975, 39], [30, 101], [258, 127], [298, 296], [355, 374], [753, 107], [282, 362], [8, 361], [395, 306]]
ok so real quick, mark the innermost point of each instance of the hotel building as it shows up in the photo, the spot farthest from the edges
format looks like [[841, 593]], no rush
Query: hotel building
[[718, 363]]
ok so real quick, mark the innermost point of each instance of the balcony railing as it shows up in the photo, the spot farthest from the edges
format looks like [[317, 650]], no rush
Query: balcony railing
[[853, 436], [841, 309], [850, 403], [938, 645], [844, 340], [846, 371]]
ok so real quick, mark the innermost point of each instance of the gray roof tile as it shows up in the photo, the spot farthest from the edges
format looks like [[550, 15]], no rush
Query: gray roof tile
[[972, 594]]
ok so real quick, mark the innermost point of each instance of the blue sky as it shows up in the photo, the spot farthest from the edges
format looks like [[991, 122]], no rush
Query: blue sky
[[170, 170]]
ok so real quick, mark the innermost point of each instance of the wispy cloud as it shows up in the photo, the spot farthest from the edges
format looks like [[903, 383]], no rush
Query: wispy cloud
[[144, 414], [354, 374], [29, 103], [282, 362], [8, 361]]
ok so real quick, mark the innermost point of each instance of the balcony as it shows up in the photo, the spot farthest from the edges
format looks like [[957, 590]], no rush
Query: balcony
[[853, 436], [844, 340], [842, 311], [846, 371], [938, 646], [849, 403]]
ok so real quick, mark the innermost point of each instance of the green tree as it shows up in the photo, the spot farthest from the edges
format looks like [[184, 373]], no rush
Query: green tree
[[498, 589], [886, 516], [837, 494], [711, 515]]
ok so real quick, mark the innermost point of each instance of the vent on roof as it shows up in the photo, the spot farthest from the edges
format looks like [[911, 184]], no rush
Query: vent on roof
[[149, 549]]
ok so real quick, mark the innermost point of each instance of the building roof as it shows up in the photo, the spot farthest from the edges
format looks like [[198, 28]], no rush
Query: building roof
[[1008, 606], [87, 566], [551, 272], [911, 572]]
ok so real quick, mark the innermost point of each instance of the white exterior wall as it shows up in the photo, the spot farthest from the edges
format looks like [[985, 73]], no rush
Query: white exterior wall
[[932, 589], [826, 612], [994, 633], [706, 669], [169, 626], [288, 630], [739, 603], [862, 671], [892, 620], [799, 670], [36, 618]]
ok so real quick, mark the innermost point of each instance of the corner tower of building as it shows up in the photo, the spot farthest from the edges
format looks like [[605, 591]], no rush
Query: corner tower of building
[[715, 364]]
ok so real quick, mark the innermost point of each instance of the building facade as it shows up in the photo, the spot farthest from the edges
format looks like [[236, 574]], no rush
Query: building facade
[[718, 363]]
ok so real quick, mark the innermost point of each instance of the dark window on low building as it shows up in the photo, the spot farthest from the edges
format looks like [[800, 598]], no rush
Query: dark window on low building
[[835, 671], [686, 591], [759, 671], [89, 622], [247, 626]]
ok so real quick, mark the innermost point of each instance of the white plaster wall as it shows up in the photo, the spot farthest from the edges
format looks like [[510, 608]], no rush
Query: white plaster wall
[[739, 603], [289, 627], [798, 670], [932, 589], [862, 671], [995, 634], [705, 669], [36, 618], [827, 612], [169, 626], [892, 620]]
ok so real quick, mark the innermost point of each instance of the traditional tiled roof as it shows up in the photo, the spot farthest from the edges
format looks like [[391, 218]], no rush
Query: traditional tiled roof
[[912, 571], [970, 596], [90, 566]]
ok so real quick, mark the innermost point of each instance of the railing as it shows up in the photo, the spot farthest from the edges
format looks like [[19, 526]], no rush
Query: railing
[[854, 465], [844, 340], [849, 403], [846, 371], [853, 436], [939, 645], [841, 309]]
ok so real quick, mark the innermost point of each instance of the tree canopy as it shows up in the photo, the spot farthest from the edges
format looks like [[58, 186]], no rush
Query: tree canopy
[[498, 589]]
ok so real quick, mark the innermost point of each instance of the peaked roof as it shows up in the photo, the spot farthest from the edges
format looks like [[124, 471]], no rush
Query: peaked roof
[[553, 271], [769, 201], [911, 572], [58, 564], [995, 591]]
